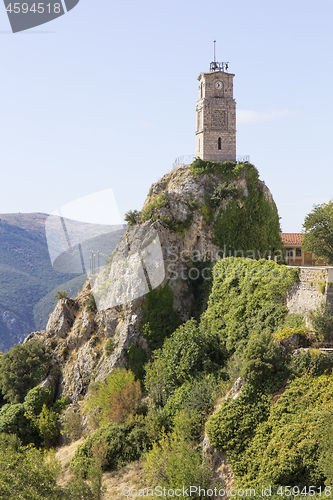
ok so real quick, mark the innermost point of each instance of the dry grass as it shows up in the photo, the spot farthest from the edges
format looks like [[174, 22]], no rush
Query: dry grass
[[131, 476], [65, 455]]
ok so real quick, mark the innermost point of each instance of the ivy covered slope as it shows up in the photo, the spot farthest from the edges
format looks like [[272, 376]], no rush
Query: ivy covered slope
[[157, 404], [277, 431]]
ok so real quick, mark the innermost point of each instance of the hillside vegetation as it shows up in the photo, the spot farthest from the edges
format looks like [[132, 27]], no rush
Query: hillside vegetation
[[206, 382], [271, 433]]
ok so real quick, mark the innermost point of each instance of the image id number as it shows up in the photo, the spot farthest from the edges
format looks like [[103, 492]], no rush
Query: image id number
[[36, 8]]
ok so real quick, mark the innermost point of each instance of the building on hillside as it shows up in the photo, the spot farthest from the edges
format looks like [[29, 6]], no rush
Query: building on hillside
[[216, 115], [294, 253]]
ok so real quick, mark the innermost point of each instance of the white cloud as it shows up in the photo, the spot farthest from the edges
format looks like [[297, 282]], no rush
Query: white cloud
[[247, 116]]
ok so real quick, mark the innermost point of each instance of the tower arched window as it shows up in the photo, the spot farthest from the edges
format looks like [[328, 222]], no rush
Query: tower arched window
[[219, 143]]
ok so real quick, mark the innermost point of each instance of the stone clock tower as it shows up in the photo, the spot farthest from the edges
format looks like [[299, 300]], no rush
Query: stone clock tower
[[216, 115]]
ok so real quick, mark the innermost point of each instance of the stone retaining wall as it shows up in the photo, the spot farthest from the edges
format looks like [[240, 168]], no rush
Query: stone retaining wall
[[314, 287]]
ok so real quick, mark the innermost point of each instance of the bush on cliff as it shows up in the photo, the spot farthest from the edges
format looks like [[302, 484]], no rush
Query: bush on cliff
[[185, 354], [276, 443], [247, 298], [114, 445], [115, 399], [21, 369]]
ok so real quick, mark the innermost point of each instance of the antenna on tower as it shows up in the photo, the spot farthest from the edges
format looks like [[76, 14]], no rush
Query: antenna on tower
[[215, 66]]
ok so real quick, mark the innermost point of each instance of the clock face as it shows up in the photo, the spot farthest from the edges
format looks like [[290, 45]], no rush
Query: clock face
[[218, 85]]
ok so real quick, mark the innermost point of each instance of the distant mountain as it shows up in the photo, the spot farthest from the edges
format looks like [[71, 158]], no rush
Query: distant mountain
[[27, 280]]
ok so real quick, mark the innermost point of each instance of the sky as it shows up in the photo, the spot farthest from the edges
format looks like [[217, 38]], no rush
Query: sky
[[104, 98]]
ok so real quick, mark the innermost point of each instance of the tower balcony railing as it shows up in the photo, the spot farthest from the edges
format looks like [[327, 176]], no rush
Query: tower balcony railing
[[188, 159], [183, 160]]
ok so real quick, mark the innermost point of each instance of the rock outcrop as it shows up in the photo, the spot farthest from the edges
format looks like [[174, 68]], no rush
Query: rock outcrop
[[176, 235]]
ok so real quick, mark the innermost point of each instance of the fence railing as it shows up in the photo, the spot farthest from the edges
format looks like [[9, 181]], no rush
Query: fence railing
[[188, 159], [183, 160], [243, 159]]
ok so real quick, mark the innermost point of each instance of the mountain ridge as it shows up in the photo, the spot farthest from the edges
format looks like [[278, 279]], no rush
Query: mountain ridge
[[26, 276]]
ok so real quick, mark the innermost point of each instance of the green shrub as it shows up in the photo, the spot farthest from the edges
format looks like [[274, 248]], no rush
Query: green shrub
[[192, 203], [26, 475], [195, 397], [326, 446], [286, 448], [48, 426], [99, 402], [22, 368], [311, 361], [185, 354], [159, 317], [35, 400], [207, 212], [149, 211], [124, 443], [294, 321], [231, 429], [224, 190], [247, 298], [9, 441], [227, 169], [61, 294], [64, 352], [174, 463], [302, 335], [91, 303], [14, 421], [180, 226], [249, 224], [262, 359], [275, 444], [72, 427], [322, 320], [157, 422], [132, 217], [109, 347], [158, 382], [93, 490], [137, 358]]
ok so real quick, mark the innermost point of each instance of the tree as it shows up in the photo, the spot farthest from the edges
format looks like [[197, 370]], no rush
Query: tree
[[318, 229], [61, 294], [261, 357], [175, 461], [99, 403], [322, 321], [22, 368], [125, 403], [72, 426], [48, 425], [132, 217], [25, 475], [28, 474]]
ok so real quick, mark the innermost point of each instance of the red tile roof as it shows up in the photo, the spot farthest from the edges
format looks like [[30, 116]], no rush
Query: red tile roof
[[292, 238]]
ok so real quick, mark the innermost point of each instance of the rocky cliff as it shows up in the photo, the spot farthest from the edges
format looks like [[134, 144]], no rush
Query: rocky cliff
[[177, 227]]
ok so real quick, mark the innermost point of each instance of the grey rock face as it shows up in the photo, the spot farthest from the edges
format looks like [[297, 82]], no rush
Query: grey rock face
[[62, 319]]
